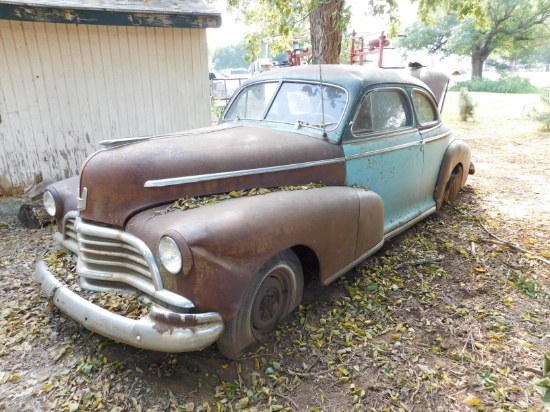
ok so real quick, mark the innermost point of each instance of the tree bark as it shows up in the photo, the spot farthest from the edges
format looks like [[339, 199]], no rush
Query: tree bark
[[478, 59], [34, 216], [326, 37]]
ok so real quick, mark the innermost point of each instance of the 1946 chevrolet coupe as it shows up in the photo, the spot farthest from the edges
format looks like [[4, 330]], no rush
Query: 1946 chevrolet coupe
[[341, 159]]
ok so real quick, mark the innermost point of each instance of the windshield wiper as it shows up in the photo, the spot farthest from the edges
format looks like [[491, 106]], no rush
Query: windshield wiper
[[300, 123]]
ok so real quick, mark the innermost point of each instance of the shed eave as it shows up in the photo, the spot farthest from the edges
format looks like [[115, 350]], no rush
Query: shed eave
[[111, 16]]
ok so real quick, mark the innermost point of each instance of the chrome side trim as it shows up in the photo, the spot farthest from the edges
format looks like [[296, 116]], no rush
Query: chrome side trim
[[410, 223], [386, 150], [429, 127], [354, 263], [373, 136], [114, 143], [160, 330], [237, 173], [437, 137]]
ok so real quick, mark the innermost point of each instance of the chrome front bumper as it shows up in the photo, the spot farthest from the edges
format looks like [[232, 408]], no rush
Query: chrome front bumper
[[160, 330]]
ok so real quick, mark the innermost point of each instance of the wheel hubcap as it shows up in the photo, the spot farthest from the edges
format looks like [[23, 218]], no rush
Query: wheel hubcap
[[269, 305]]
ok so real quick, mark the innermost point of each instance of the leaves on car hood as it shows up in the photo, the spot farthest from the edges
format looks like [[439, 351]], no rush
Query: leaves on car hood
[[194, 202]]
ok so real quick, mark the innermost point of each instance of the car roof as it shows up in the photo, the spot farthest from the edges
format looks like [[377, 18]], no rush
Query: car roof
[[347, 76]]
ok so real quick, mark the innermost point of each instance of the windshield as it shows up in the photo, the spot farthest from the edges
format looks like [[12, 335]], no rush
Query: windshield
[[294, 102], [251, 102]]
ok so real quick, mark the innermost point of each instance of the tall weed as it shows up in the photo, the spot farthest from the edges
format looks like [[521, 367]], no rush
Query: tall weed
[[542, 115]]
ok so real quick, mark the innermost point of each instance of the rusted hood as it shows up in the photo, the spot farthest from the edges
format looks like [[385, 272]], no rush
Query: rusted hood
[[212, 160]]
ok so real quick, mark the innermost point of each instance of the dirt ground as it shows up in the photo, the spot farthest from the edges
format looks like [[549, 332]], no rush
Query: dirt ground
[[452, 315]]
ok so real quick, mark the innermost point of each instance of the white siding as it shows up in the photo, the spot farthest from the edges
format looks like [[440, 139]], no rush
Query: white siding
[[66, 87]]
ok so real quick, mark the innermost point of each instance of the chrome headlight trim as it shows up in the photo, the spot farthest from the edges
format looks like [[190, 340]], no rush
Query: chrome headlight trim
[[49, 203], [170, 255]]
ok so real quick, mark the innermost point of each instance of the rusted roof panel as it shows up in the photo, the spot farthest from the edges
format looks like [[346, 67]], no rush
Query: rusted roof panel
[[153, 13]]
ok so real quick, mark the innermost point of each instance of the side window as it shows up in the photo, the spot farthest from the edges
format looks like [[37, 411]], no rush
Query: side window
[[363, 119], [382, 110], [424, 108]]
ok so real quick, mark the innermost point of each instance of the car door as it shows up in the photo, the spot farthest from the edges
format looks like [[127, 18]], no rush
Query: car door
[[436, 136], [384, 152]]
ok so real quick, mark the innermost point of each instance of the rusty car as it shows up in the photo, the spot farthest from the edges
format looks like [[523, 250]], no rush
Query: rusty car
[[308, 172]]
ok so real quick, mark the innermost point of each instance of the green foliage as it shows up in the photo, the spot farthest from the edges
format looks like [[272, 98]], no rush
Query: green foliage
[[215, 113], [275, 21], [466, 105], [502, 68], [542, 116], [278, 21], [229, 57], [478, 9], [478, 28], [433, 37], [543, 384], [533, 52], [388, 8], [513, 84], [526, 285]]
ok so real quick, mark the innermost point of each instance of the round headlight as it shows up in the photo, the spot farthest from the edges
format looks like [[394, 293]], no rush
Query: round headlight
[[170, 255], [49, 203]]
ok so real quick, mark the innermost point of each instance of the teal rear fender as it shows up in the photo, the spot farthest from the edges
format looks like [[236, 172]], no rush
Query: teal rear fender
[[457, 153]]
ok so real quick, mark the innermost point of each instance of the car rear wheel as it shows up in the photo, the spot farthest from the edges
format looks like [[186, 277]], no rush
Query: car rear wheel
[[453, 185], [274, 293]]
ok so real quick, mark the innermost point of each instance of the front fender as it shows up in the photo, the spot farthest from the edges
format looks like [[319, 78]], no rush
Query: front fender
[[457, 152], [65, 194], [231, 240]]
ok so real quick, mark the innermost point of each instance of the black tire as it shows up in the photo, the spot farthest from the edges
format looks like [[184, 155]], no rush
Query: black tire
[[274, 292], [454, 185]]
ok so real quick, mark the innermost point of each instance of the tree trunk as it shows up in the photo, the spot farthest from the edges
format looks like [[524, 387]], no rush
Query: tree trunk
[[326, 37], [478, 58]]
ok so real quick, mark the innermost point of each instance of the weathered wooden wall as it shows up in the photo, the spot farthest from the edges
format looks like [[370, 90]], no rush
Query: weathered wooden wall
[[66, 87]]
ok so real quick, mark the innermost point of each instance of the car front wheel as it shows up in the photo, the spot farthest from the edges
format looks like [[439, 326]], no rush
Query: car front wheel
[[275, 292]]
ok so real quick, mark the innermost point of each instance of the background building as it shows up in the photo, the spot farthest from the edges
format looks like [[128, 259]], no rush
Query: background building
[[73, 74]]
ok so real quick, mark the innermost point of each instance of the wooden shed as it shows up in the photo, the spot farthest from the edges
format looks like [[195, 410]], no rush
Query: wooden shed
[[74, 73]]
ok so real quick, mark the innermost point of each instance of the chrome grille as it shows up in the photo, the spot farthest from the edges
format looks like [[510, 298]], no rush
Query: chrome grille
[[68, 237], [109, 255], [111, 258], [70, 231]]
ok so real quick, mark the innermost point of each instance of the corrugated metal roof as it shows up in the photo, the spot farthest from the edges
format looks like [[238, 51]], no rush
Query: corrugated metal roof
[[155, 13]]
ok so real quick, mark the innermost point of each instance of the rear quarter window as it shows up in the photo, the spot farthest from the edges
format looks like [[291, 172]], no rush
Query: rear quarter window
[[424, 108]]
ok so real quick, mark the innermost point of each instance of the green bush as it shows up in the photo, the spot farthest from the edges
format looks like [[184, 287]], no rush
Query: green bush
[[215, 112], [513, 84], [543, 385], [542, 115], [466, 105]]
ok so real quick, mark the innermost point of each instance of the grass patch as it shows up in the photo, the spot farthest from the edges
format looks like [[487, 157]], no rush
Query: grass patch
[[513, 84], [215, 113]]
